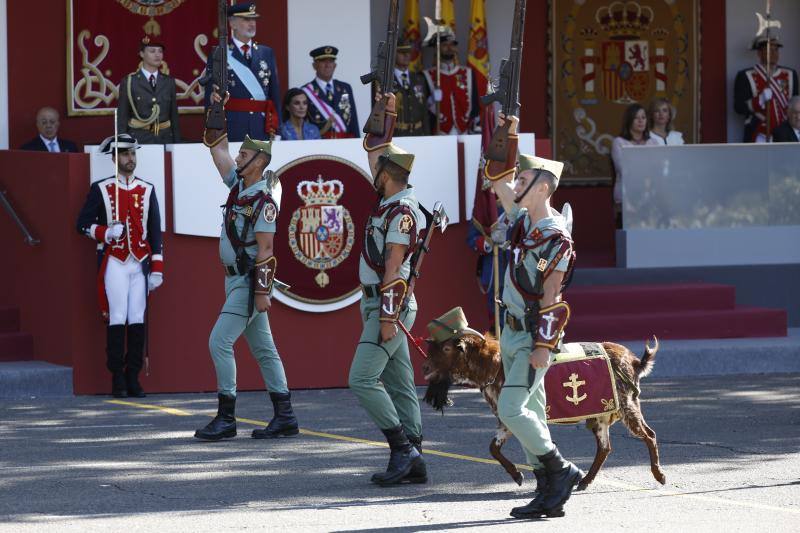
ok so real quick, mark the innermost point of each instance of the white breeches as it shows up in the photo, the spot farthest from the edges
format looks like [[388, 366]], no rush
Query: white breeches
[[126, 291]]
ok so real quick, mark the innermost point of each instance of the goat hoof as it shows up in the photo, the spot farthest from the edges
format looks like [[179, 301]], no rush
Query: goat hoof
[[518, 477], [661, 478]]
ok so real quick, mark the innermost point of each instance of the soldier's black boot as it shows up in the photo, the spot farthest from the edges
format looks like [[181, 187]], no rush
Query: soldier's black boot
[[283, 423], [535, 508], [115, 351], [222, 426], [562, 476], [402, 459], [419, 472], [135, 360]]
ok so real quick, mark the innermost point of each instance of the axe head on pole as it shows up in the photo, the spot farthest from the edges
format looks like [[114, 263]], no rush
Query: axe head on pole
[[440, 218]]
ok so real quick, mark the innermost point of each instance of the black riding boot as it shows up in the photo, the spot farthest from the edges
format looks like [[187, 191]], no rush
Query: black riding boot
[[402, 460], [283, 423], [562, 476], [135, 360], [535, 508], [115, 351], [418, 473], [222, 426]]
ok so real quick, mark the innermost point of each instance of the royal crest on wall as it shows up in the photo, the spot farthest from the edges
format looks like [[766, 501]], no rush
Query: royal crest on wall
[[607, 55]]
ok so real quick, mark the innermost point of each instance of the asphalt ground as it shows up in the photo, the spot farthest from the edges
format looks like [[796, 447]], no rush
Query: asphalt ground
[[730, 447]]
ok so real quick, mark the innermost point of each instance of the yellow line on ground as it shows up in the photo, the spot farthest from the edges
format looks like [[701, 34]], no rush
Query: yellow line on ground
[[428, 451]]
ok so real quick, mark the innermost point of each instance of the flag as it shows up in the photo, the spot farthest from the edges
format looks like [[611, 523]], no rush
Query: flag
[[449, 14], [478, 47], [411, 33]]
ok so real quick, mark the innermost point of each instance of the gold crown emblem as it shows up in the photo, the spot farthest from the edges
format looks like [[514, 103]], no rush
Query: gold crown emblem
[[320, 192], [624, 20]]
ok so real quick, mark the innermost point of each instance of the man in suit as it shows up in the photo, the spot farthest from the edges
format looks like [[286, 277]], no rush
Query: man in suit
[[148, 103], [758, 94], [47, 122], [255, 100], [789, 131], [331, 106]]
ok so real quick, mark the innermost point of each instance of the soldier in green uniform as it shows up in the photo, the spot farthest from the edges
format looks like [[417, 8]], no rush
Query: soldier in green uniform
[[540, 265], [411, 91], [381, 375], [148, 104], [247, 257]]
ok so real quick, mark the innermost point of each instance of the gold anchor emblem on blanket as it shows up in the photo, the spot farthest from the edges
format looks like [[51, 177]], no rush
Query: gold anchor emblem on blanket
[[574, 384]]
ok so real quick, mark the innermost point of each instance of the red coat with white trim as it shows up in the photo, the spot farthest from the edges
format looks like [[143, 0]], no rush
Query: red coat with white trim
[[459, 106], [749, 85]]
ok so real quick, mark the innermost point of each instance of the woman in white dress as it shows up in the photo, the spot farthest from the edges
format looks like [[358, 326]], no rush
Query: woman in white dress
[[661, 116], [635, 132]]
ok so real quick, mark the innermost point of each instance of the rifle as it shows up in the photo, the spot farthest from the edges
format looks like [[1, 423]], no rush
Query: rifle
[[383, 72], [216, 125], [507, 93]]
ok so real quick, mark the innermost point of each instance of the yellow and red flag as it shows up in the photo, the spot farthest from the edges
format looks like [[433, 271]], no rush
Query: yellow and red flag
[[411, 33], [449, 14], [478, 47]]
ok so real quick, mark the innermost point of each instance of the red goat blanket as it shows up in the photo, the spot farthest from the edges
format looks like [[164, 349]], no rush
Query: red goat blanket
[[580, 384]]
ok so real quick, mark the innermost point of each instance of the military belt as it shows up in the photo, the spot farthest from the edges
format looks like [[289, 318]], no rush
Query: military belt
[[515, 323], [408, 125], [153, 127], [232, 271], [371, 291]]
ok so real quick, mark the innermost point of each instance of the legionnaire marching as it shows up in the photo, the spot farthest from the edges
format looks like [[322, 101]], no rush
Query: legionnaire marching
[[412, 93], [148, 105], [539, 269], [246, 251], [331, 105], [381, 375], [121, 214]]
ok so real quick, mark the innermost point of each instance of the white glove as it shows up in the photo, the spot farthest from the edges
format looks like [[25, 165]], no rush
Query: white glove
[[499, 232], [115, 231], [765, 96], [154, 281], [437, 95]]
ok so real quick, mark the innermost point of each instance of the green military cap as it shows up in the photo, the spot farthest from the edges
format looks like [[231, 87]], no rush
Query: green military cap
[[530, 162], [399, 157], [451, 324], [258, 146], [404, 46]]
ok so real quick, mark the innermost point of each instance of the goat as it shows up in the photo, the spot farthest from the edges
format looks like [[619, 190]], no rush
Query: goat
[[474, 361]]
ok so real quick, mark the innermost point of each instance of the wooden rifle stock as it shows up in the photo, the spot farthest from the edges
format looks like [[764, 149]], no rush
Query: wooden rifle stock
[[216, 125], [383, 73]]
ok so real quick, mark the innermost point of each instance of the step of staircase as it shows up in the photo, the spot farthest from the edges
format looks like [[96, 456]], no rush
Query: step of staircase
[[696, 324], [9, 319], [16, 346], [29, 379], [630, 299]]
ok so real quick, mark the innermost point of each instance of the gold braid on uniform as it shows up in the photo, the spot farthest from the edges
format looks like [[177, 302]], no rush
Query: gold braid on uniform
[[138, 122]]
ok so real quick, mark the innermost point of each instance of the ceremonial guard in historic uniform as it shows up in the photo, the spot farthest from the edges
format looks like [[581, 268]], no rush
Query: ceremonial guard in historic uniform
[[255, 100], [121, 214], [540, 261], [148, 104], [246, 251], [458, 95], [754, 91], [411, 92], [331, 105], [381, 375]]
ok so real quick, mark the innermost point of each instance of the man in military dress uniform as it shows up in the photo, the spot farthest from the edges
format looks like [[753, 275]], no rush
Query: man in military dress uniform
[[381, 375], [540, 265], [411, 91], [458, 94], [331, 105], [246, 251], [148, 105], [129, 249], [755, 95], [255, 100]]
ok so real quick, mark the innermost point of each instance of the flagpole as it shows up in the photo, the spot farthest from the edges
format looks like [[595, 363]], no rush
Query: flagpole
[[769, 73], [438, 16], [116, 168]]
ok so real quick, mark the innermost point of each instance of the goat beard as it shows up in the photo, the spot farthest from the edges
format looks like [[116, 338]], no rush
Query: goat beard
[[436, 395]]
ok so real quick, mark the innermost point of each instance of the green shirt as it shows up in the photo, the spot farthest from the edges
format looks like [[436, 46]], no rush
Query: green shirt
[[226, 251], [397, 233], [512, 298]]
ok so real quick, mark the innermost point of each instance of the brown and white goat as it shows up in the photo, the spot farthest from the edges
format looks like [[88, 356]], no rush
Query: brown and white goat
[[473, 361]]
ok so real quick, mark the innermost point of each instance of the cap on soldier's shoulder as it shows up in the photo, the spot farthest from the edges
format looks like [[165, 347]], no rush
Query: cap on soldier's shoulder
[[124, 142], [324, 52], [148, 41], [530, 162], [257, 145], [760, 42], [243, 9], [399, 157]]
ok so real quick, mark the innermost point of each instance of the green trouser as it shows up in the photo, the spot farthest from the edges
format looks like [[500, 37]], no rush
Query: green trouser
[[232, 322], [521, 406], [381, 375]]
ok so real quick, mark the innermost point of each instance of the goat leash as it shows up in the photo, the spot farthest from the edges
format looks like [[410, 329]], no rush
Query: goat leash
[[414, 340]]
